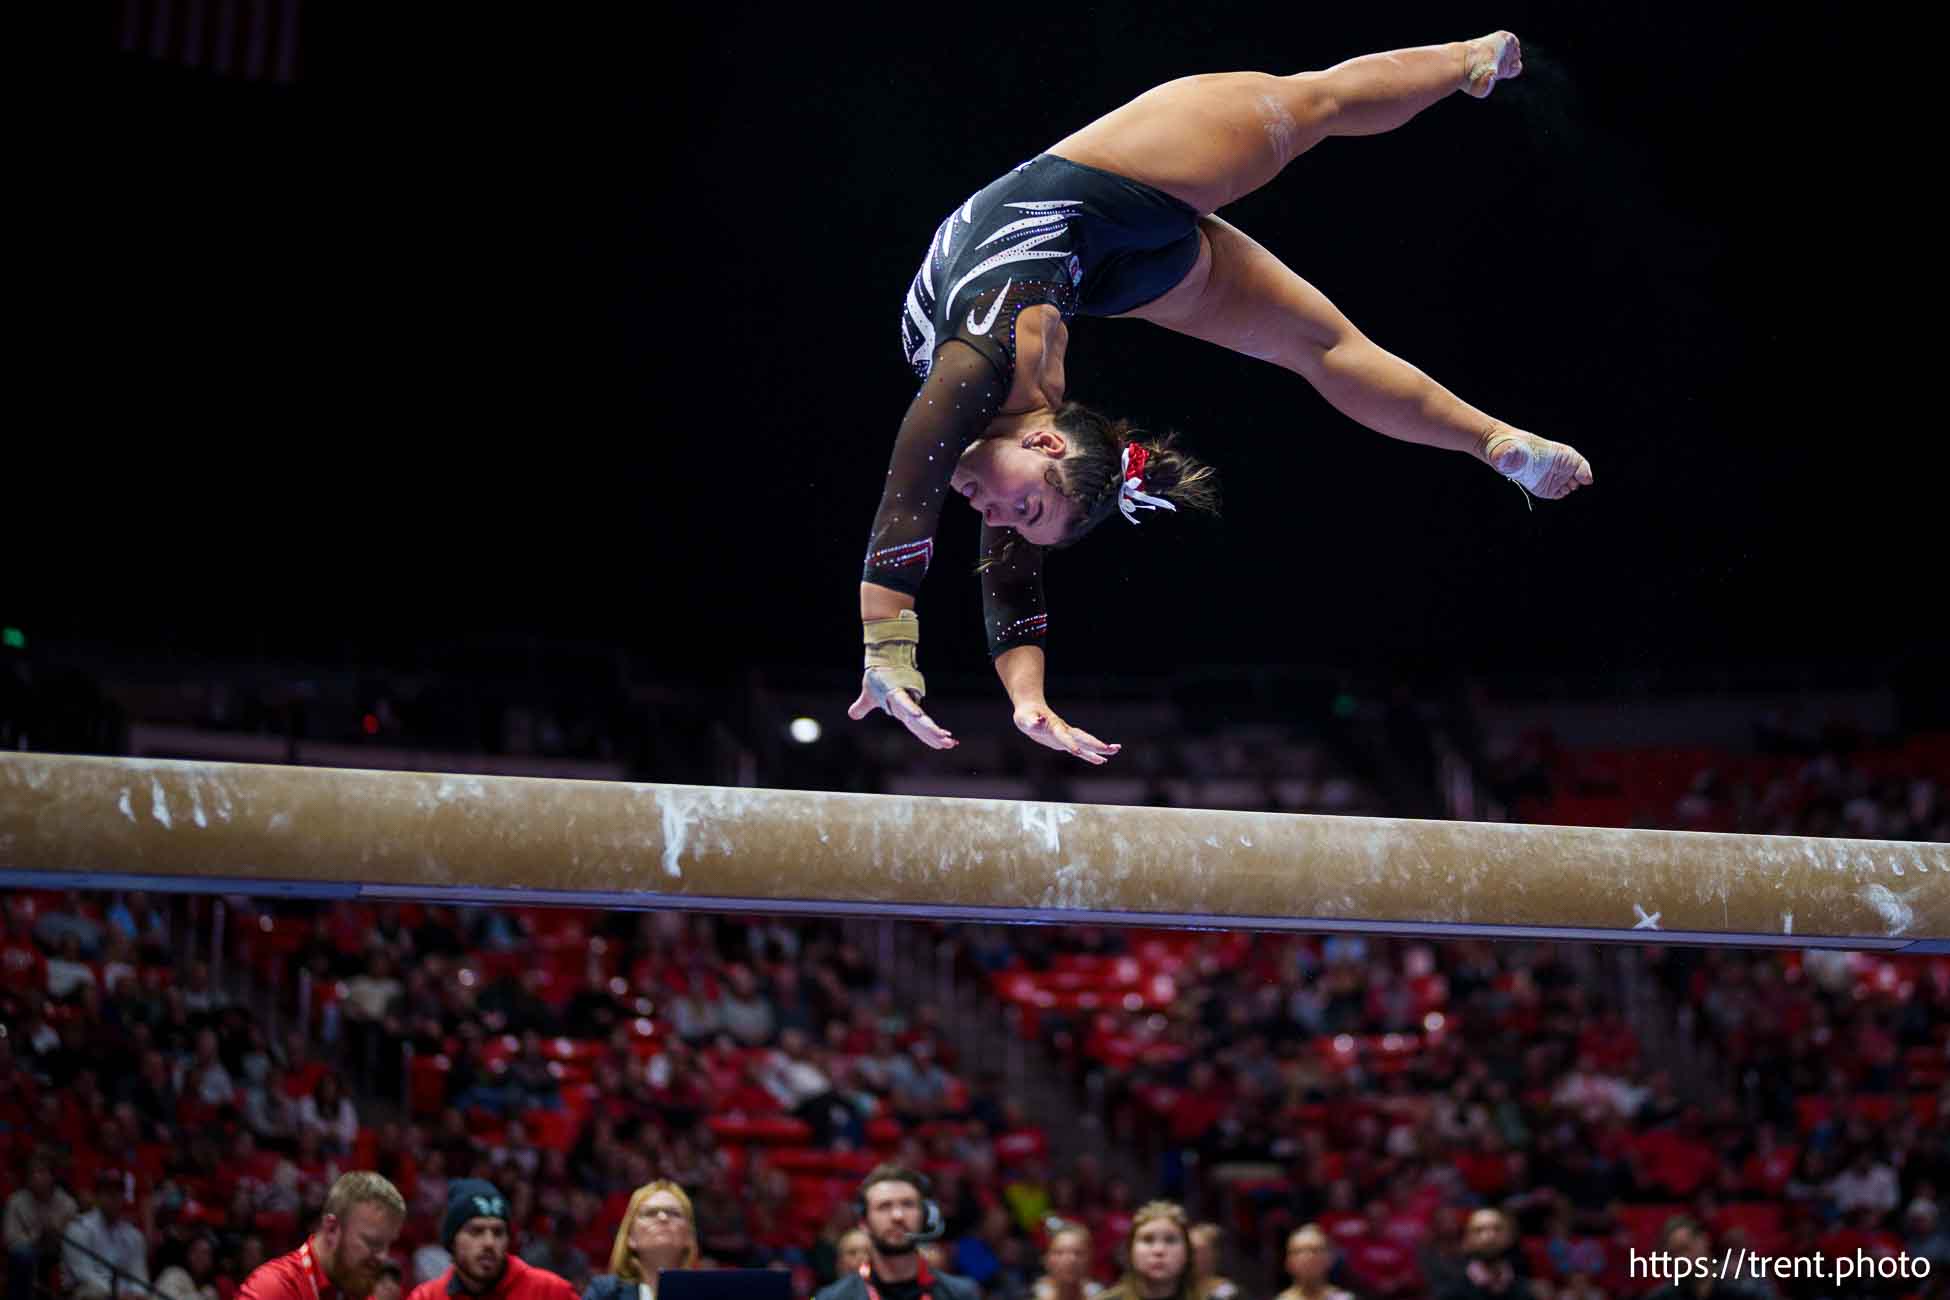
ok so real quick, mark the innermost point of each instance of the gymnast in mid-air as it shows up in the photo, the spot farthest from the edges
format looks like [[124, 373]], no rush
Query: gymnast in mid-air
[[1117, 220]]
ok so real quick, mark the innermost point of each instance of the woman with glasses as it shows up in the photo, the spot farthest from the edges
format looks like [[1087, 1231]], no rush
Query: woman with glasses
[[658, 1232]]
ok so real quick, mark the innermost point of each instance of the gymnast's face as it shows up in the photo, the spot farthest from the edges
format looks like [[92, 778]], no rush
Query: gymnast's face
[[1009, 480]]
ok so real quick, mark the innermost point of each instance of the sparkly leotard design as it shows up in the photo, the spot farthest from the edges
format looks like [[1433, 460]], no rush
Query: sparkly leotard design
[[1050, 232]]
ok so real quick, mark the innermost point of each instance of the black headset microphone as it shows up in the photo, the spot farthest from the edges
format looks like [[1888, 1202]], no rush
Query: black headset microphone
[[933, 1226]]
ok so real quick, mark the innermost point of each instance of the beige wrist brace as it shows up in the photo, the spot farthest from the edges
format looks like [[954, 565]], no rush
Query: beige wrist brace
[[893, 646]]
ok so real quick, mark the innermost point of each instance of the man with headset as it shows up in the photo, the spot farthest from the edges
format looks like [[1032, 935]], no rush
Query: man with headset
[[899, 1218]]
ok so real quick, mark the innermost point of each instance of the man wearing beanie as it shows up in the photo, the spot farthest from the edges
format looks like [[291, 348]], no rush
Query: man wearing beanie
[[475, 1232]]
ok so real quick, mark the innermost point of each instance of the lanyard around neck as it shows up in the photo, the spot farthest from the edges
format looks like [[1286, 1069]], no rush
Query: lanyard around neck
[[310, 1267], [922, 1277]]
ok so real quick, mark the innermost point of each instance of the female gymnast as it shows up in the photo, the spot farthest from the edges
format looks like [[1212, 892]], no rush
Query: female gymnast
[[1117, 220]]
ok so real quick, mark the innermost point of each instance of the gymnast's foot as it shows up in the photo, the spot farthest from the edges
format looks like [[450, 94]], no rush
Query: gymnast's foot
[[1548, 469], [1488, 60]]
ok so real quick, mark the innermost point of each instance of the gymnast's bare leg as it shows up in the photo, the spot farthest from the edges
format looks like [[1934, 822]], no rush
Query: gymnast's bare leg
[[1213, 138]]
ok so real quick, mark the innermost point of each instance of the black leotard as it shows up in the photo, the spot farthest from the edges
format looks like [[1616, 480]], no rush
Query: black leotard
[[1051, 231]]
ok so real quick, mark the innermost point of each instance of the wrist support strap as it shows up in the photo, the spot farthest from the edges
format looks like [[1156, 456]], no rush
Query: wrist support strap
[[893, 645]]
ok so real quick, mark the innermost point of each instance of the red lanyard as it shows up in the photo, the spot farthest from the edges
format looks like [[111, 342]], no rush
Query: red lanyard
[[925, 1278]]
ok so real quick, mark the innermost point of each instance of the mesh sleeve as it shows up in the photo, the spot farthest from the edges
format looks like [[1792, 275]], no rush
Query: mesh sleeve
[[963, 392], [1013, 611]]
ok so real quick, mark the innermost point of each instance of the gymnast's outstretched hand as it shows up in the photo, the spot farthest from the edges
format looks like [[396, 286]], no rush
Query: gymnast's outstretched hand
[[902, 707], [1040, 723]]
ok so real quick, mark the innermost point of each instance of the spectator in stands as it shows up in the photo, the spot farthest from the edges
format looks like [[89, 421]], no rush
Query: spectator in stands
[[203, 1078], [658, 1232], [855, 1248], [875, 1066], [1490, 1251], [802, 1090], [978, 1254], [328, 1110], [256, 1174], [245, 1250], [1027, 1194], [1587, 1086], [136, 918], [36, 1217], [513, 1004], [55, 925], [106, 1255], [196, 1277], [431, 1259], [745, 1010], [430, 1187], [342, 1257], [531, 1084], [1924, 1237], [200, 996], [1382, 1264], [1206, 1283], [1158, 1254], [1868, 1183], [475, 1231], [309, 1170], [679, 1090], [68, 971], [1066, 1265], [119, 962], [1572, 1255], [790, 1009], [771, 1218], [368, 1001], [593, 1012], [920, 1086], [389, 1286], [1309, 1259], [695, 1014], [270, 1112], [892, 1211], [1688, 1238]]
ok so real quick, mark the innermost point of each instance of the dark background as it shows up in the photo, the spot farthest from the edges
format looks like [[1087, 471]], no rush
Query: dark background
[[585, 329]]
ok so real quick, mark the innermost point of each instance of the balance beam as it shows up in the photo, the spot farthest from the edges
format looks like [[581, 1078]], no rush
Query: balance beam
[[120, 823]]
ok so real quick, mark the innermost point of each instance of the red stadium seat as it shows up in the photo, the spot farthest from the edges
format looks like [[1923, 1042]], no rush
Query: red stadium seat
[[1643, 1223], [1925, 1067], [771, 1130], [552, 1130], [426, 1085], [1760, 1222]]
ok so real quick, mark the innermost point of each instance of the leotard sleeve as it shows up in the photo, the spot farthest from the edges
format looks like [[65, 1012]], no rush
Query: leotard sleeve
[[964, 389], [1013, 612], [962, 393]]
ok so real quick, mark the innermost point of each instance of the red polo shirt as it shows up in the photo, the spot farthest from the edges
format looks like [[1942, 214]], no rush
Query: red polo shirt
[[519, 1281], [296, 1276]]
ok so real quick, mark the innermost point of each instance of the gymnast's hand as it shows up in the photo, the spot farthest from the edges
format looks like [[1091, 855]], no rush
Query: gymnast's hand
[[901, 706], [1040, 723]]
